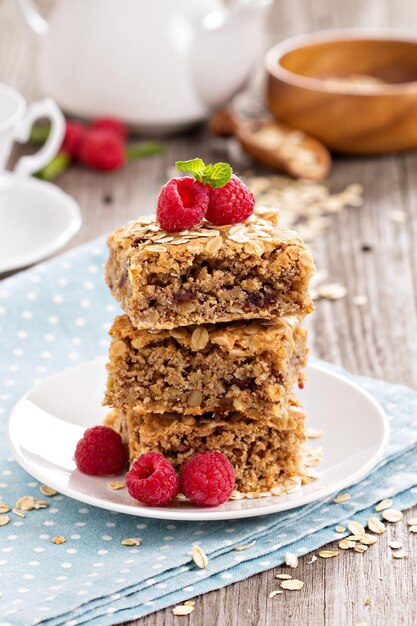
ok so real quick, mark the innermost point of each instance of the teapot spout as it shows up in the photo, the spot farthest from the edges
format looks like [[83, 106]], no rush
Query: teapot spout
[[226, 48]]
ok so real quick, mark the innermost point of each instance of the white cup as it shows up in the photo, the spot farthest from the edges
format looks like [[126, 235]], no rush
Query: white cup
[[16, 121]]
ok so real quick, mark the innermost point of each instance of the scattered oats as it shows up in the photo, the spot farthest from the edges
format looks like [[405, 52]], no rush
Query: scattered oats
[[181, 497], [412, 521], [47, 491], [355, 537], [413, 528], [189, 603], [254, 247], [367, 601], [368, 540], [314, 433], [27, 503], [384, 504], [313, 558], [398, 216], [4, 519], [346, 544], [395, 545], [182, 609], [332, 291], [214, 245], [292, 585], [246, 546], [58, 539], [155, 248], [283, 576], [19, 512], [360, 548], [342, 498], [131, 541], [328, 554], [274, 593], [4, 508], [392, 515], [291, 559], [340, 529], [356, 528], [360, 300], [400, 554], [199, 338], [199, 556], [115, 485], [376, 525], [361, 624]]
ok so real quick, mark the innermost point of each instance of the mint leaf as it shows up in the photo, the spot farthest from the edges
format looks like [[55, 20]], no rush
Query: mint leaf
[[39, 133], [145, 149], [195, 167], [59, 164], [218, 175]]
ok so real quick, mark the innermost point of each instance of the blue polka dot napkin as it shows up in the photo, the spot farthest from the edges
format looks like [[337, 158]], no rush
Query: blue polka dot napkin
[[57, 315]]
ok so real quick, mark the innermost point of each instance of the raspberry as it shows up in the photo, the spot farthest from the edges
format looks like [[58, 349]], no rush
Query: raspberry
[[102, 150], [182, 204], [230, 204], [207, 479], [152, 480], [74, 135], [110, 124], [100, 452]]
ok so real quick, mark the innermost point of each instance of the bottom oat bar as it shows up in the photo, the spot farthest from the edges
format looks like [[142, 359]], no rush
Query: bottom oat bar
[[262, 455]]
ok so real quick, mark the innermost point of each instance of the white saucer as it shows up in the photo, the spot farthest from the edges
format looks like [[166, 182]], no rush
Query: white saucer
[[49, 420], [36, 219]]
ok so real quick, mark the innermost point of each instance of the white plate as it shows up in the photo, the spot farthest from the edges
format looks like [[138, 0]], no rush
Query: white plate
[[49, 420], [36, 219]]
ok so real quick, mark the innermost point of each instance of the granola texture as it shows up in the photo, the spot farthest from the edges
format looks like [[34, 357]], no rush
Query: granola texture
[[209, 274], [248, 366], [262, 455]]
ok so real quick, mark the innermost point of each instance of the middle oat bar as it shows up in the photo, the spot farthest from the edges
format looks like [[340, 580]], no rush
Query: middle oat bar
[[246, 366]]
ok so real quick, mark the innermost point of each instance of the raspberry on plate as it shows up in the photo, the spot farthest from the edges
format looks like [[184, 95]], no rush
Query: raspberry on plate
[[101, 452], [208, 478], [102, 149], [182, 204], [230, 204], [152, 480]]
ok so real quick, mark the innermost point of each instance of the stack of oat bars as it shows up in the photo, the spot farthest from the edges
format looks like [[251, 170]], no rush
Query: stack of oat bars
[[210, 348]]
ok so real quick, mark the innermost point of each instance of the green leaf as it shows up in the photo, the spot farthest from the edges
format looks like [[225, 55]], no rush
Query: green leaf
[[148, 148], [218, 175], [195, 167], [59, 164], [39, 133]]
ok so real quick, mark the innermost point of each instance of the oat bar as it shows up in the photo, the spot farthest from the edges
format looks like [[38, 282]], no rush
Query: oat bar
[[247, 366], [209, 274], [262, 455]]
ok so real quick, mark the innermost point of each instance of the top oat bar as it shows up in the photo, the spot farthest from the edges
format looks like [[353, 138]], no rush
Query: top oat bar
[[209, 274]]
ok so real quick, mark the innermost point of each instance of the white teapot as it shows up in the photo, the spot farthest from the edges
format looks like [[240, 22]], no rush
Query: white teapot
[[156, 64]]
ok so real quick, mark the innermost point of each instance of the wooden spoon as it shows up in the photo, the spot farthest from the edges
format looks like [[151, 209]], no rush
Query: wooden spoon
[[276, 145]]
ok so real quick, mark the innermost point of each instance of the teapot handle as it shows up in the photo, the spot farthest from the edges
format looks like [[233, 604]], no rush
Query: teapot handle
[[33, 19]]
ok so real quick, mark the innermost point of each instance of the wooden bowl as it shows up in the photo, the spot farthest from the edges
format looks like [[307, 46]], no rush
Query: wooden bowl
[[355, 92]]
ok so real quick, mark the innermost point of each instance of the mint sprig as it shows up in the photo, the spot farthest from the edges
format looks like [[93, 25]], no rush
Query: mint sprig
[[216, 175]]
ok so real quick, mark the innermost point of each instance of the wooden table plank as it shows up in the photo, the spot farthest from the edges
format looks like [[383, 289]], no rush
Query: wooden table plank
[[379, 339]]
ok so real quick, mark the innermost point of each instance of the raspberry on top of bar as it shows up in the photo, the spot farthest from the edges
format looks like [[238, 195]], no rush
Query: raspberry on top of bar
[[210, 273]]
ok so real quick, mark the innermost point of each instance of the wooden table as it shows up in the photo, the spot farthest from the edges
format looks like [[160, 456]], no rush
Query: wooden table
[[379, 339]]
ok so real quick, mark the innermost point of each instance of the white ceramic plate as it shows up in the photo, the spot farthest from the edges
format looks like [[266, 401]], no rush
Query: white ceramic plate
[[36, 219], [49, 420]]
